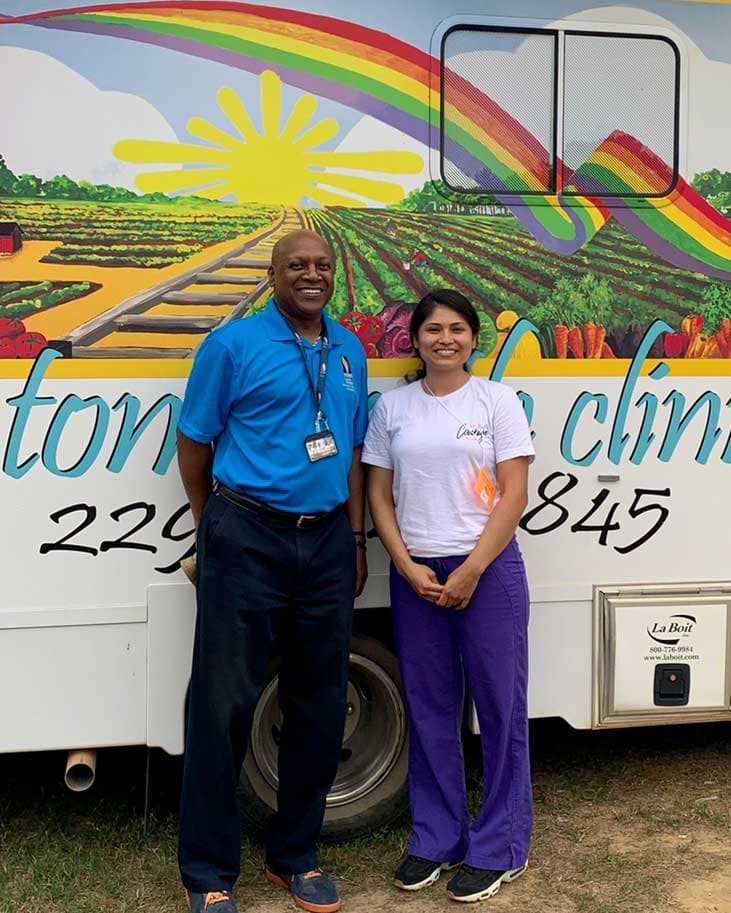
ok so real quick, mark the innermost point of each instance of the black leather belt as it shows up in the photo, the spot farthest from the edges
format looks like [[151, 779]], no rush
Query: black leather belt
[[301, 521]]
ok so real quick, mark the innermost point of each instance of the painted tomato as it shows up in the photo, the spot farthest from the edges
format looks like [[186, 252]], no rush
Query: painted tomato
[[10, 328], [368, 328], [7, 348], [676, 345], [29, 345]]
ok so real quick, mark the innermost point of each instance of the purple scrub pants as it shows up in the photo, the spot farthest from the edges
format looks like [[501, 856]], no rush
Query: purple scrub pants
[[437, 647]]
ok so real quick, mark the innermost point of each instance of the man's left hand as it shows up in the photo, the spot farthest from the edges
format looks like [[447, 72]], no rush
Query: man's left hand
[[361, 573]]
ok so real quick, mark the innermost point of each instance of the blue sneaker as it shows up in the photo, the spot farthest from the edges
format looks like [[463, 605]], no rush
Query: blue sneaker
[[313, 891], [212, 902]]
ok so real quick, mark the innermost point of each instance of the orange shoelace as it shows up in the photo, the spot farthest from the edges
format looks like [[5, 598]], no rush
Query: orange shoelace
[[214, 897], [315, 873]]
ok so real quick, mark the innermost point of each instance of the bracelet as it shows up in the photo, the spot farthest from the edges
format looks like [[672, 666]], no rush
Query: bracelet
[[362, 546], [359, 532]]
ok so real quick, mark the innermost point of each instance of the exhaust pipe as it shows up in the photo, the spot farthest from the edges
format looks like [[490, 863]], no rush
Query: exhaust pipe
[[80, 769]]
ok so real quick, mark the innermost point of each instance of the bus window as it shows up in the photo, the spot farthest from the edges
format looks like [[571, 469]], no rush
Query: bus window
[[498, 114], [620, 93]]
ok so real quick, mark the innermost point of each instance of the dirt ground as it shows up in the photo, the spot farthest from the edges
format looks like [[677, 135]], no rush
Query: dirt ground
[[625, 822], [663, 873]]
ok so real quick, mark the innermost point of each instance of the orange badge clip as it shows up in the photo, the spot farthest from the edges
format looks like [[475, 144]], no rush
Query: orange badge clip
[[486, 488]]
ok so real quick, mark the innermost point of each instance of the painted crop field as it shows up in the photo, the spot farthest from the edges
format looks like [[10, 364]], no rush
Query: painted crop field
[[594, 304], [129, 234], [19, 300], [22, 299]]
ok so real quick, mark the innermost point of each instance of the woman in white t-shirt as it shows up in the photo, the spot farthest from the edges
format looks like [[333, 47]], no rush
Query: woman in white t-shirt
[[449, 458]]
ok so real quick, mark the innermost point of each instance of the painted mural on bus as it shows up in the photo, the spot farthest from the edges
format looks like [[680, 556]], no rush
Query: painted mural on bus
[[166, 146]]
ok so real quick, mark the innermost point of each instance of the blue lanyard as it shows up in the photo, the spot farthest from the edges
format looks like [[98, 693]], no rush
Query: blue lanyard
[[317, 392]]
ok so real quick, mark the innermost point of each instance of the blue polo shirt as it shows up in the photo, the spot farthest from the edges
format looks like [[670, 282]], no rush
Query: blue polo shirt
[[249, 395]]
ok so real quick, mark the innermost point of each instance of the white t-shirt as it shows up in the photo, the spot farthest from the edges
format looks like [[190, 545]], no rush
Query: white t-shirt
[[435, 447]]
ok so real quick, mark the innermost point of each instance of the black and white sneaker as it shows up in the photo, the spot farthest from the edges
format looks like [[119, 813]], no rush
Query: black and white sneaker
[[471, 884], [416, 873]]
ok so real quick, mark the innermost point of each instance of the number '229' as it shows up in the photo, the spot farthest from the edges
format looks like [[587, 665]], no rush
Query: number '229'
[[138, 515]]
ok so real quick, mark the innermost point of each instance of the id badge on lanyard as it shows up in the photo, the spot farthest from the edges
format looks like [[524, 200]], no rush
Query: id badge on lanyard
[[321, 444]]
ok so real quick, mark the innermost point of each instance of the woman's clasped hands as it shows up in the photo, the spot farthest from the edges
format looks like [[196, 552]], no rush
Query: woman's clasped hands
[[455, 592]]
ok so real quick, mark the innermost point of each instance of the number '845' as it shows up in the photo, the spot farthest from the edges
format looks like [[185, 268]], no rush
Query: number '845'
[[550, 513]]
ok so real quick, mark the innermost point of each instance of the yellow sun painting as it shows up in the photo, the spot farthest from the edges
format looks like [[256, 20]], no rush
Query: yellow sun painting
[[279, 166]]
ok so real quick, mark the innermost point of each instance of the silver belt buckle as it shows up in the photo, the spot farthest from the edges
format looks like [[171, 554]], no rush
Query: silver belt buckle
[[304, 517]]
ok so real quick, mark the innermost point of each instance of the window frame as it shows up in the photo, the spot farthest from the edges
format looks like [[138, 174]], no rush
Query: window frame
[[553, 150], [557, 163], [676, 115]]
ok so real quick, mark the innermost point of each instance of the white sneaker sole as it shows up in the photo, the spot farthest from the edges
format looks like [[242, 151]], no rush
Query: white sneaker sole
[[493, 889], [429, 880]]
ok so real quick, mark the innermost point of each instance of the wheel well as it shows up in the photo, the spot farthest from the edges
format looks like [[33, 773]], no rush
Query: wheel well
[[375, 623]]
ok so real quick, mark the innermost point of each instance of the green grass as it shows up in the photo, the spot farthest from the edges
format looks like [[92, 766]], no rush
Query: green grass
[[622, 820]]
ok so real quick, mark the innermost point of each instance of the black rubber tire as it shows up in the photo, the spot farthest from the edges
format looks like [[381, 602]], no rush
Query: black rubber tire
[[385, 803]]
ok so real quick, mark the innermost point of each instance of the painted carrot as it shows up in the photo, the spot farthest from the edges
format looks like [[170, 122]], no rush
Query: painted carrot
[[723, 337], [576, 346], [560, 334], [697, 344], [599, 342], [724, 346], [589, 338], [711, 349], [607, 351]]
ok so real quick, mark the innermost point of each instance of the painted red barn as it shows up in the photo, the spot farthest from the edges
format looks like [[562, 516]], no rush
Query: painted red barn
[[11, 237]]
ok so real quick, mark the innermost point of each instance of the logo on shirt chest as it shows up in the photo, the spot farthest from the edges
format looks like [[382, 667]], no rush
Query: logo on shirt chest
[[473, 432], [348, 381]]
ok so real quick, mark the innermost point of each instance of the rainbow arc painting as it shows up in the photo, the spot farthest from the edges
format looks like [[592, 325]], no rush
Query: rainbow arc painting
[[598, 263]]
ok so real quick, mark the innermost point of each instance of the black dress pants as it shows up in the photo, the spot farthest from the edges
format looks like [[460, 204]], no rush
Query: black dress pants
[[261, 580]]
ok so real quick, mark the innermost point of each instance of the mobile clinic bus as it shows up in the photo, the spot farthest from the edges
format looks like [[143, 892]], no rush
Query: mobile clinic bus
[[567, 168]]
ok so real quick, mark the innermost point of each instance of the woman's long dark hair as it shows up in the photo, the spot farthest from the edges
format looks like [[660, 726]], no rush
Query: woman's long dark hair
[[446, 297]]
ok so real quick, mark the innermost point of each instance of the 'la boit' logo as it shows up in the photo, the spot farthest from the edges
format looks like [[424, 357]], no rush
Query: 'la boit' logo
[[671, 631], [347, 374]]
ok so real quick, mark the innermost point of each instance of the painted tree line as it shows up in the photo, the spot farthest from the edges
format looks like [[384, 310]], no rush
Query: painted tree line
[[62, 187], [714, 185]]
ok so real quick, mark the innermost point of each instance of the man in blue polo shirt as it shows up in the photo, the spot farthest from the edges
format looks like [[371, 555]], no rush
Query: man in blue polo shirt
[[269, 444]]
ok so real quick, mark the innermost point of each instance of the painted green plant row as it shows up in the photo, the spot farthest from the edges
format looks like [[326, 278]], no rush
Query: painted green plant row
[[131, 235], [23, 299]]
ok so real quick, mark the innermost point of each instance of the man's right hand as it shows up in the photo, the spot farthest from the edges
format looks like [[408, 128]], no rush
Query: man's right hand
[[189, 568]]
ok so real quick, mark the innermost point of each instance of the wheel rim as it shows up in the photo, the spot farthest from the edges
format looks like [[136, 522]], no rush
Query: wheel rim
[[375, 732]]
